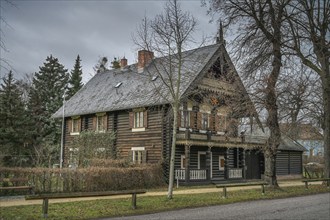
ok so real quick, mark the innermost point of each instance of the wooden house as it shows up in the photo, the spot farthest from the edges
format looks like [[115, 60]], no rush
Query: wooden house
[[134, 102]]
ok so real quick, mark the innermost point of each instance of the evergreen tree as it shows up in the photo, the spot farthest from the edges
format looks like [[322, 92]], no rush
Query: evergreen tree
[[45, 98], [115, 63], [102, 65], [75, 81], [13, 124]]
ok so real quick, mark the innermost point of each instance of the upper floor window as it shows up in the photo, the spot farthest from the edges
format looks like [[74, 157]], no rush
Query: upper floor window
[[101, 123], [205, 121], [75, 125], [185, 119], [138, 119]]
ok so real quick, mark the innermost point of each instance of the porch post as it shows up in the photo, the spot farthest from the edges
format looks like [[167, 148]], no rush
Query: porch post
[[208, 163], [227, 164], [187, 159], [243, 164]]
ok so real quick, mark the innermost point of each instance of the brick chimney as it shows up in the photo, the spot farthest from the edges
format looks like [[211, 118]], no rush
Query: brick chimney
[[123, 62], [144, 57]]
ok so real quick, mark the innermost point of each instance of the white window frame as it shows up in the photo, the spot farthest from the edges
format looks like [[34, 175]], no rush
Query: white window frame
[[98, 119], [137, 151], [138, 119], [221, 157], [73, 125], [185, 115], [207, 121], [183, 157]]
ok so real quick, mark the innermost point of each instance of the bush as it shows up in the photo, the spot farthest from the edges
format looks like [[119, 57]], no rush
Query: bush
[[88, 179]]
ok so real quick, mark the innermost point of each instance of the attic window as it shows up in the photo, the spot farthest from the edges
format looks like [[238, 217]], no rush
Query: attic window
[[154, 78], [118, 84]]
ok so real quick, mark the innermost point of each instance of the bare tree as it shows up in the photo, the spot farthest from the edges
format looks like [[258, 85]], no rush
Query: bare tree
[[168, 35], [258, 49], [4, 24], [309, 22], [297, 84]]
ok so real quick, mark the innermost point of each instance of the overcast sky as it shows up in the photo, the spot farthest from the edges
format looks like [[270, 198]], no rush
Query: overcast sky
[[91, 29]]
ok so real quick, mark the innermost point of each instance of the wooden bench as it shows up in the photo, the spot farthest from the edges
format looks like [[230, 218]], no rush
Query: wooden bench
[[306, 181], [226, 185], [46, 197], [13, 184]]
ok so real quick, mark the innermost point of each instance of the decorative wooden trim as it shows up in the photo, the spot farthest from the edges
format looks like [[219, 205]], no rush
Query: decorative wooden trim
[[100, 113], [145, 119]]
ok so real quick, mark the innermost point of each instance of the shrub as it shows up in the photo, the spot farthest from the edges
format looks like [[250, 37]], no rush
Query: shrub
[[89, 179]]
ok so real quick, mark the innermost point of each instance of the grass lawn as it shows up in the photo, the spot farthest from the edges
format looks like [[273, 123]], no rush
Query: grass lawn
[[148, 204]]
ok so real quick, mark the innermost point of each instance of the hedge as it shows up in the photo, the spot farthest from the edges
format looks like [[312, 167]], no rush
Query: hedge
[[89, 179]]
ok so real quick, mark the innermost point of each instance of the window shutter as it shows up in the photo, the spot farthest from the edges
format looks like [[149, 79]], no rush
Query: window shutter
[[192, 119], [79, 124], [217, 122], [144, 156], [199, 120], [179, 119], [130, 156], [105, 122], [211, 125], [69, 125], [145, 119], [131, 119], [94, 123]]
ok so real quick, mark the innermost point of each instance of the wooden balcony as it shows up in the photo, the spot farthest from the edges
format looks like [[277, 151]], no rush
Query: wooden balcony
[[217, 86], [216, 140]]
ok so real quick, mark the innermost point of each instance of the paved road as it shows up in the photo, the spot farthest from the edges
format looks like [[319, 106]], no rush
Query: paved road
[[306, 207]]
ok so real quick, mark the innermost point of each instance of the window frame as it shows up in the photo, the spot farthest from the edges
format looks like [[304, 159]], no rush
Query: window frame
[[75, 126], [222, 158], [100, 118], [182, 161], [137, 155]]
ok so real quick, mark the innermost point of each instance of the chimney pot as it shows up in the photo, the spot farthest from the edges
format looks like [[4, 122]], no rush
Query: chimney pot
[[144, 57]]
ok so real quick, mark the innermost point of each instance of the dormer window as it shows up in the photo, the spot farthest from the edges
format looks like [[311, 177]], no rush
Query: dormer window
[[118, 85]]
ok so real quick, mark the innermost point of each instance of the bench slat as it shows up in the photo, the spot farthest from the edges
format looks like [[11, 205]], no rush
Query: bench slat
[[240, 184], [82, 194], [16, 187]]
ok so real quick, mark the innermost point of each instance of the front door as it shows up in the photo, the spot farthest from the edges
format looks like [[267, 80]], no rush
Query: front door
[[202, 160], [252, 163]]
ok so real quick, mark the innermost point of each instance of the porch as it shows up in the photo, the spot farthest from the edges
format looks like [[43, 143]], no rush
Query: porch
[[207, 157], [180, 174]]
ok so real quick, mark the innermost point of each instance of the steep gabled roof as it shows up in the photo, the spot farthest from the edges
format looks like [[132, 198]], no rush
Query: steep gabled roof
[[137, 89]]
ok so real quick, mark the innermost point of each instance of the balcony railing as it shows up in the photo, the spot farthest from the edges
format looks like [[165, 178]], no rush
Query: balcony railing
[[180, 174], [234, 173]]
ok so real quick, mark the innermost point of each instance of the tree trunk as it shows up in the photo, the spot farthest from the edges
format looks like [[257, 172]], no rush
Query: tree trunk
[[174, 130], [272, 119], [326, 126]]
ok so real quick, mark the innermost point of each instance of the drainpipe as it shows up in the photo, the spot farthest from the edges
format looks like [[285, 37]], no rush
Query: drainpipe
[[62, 136]]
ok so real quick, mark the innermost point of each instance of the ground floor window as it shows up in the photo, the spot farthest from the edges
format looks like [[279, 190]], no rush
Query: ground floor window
[[138, 155], [221, 162], [183, 161]]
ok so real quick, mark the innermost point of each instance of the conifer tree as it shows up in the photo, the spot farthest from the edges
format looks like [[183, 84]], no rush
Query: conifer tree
[[75, 81], [45, 98], [13, 124], [115, 63]]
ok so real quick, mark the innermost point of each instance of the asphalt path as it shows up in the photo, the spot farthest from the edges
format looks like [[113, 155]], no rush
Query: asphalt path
[[305, 207]]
